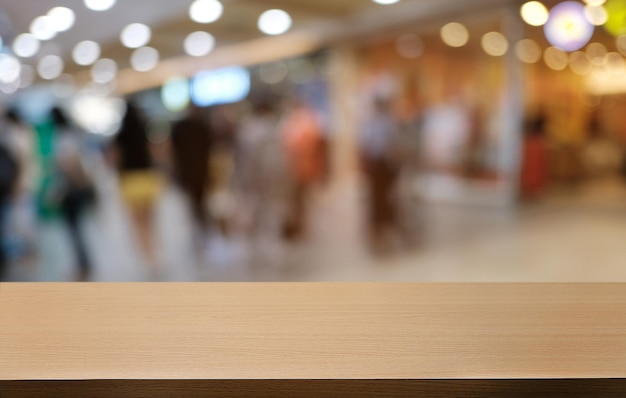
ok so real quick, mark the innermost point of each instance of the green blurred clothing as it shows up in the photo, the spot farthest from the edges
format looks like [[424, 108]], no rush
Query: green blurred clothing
[[47, 208]]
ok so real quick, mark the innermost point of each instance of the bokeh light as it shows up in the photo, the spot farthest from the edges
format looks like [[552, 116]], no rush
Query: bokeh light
[[144, 59], [596, 53], [136, 35], [61, 19], [567, 27], [175, 94], [206, 11], [86, 52], [42, 29], [455, 34], [26, 45], [555, 58], [274, 22], [99, 5], [9, 69], [616, 22], [528, 51], [495, 44], [597, 15], [534, 13], [199, 44], [224, 86], [104, 71], [579, 63], [50, 67]]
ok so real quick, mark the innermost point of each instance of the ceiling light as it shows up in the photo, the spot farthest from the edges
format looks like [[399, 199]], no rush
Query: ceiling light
[[136, 35], [534, 13], [99, 5], [455, 34], [42, 28], [199, 44], [144, 59], [61, 18], [26, 45], [50, 67], [9, 69], [104, 71], [274, 22], [385, 2], [206, 11], [86, 52]]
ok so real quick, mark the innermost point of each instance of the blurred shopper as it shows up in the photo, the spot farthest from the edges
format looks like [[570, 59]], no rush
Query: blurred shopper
[[20, 220], [261, 172], [191, 147], [535, 172], [301, 133], [140, 181], [381, 171], [74, 187], [9, 174]]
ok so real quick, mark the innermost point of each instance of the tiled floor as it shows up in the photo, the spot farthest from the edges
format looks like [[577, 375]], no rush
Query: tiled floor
[[574, 236]]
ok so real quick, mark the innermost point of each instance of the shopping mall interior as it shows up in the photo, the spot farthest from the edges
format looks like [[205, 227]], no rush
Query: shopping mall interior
[[295, 140]]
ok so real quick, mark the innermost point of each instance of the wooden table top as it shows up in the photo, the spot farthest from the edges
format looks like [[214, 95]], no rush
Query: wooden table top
[[311, 331]]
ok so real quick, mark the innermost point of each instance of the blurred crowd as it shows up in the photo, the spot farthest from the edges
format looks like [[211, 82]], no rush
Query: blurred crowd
[[253, 178]]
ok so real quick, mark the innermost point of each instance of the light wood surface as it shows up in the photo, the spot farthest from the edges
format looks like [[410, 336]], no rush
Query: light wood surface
[[311, 331]]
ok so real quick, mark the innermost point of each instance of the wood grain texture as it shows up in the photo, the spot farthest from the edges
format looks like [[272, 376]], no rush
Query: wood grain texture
[[311, 331]]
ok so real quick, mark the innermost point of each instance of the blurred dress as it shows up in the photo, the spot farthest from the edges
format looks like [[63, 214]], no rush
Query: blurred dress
[[140, 182]]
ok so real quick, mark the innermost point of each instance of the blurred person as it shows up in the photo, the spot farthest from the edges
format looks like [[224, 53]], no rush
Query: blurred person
[[261, 171], [191, 147], [301, 134], [140, 182], [381, 171], [9, 176], [74, 187], [535, 168], [222, 165], [21, 217]]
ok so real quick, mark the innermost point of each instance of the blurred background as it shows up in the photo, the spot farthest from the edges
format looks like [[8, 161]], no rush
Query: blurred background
[[297, 140]]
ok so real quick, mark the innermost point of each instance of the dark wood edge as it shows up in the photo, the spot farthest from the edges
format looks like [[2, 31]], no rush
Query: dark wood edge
[[314, 388]]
